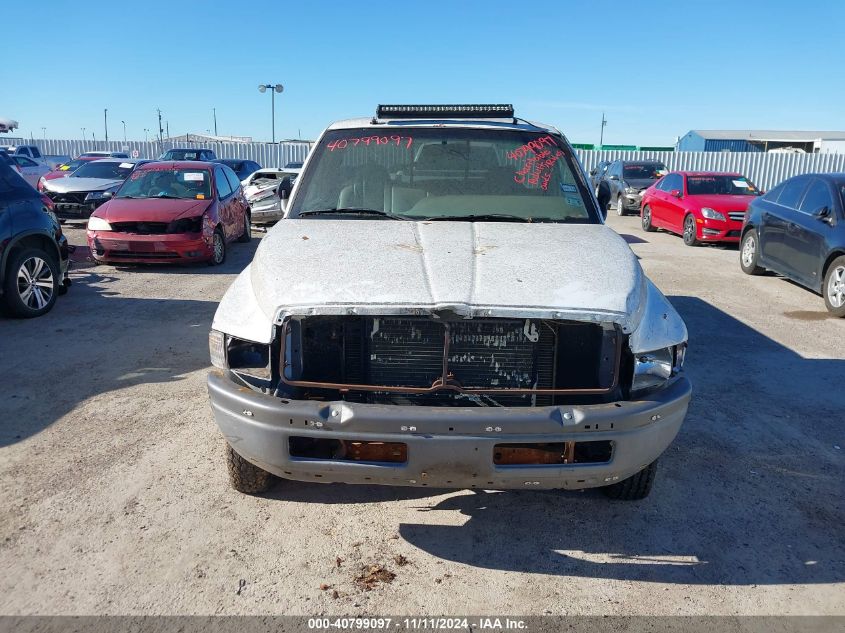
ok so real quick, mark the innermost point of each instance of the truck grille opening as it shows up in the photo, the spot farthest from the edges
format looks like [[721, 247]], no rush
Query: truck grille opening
[[433, 362], [348, 450], [594, 452]]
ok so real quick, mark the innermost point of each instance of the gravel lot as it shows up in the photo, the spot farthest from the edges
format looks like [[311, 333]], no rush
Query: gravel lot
[[113, 492]]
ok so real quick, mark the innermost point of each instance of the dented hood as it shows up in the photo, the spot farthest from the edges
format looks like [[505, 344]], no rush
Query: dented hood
[[584, 272]]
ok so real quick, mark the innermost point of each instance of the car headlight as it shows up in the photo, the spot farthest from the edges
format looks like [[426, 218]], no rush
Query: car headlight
[[631, 190], [98, 224], [241, 356], [654, 369], [712, 214], [98, 195]]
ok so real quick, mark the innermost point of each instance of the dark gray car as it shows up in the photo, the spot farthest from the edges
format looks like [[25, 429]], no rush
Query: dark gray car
[[623, 183]]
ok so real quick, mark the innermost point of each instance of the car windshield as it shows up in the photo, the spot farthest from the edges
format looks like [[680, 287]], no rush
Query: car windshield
[[74, 164], [106, 170], [643, 171], [167, 183], [720, 186], [451, 173], [182, 154]]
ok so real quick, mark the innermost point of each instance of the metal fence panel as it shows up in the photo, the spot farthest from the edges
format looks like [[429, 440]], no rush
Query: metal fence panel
[[764, 169]]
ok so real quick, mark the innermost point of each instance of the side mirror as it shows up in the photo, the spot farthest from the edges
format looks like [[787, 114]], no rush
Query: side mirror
[[822, 214], [284, 188], [593, 171], [676, 193]]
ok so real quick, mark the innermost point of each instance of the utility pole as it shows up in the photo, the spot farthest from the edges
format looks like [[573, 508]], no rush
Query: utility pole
[[146, 134], [603, 123], [214, 110], [44, 133], [168, 129], [83, 134], [124, 131], [106, 123], [160, 129]]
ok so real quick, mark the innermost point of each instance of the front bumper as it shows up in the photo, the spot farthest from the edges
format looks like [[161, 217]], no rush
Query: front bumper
[[266, 211], [719, 230], [447, 447], [632, 201], [114, 247]]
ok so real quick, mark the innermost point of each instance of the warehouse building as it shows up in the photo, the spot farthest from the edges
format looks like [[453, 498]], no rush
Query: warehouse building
[[799, 142]]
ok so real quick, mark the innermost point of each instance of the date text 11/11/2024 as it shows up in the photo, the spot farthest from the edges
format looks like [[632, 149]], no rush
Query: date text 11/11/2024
[[417, 624]]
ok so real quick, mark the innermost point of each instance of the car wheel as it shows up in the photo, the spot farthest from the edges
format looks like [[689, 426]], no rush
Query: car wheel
[[218, 250], [32, 283], [245, 476], [834, 287], [246, 236], [689, 231], [748, 253], [635, 487], [647, 226], [620, 209]]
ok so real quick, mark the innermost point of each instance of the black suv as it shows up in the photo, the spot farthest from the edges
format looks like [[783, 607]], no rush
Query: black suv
[[34, 255], [623, 183]]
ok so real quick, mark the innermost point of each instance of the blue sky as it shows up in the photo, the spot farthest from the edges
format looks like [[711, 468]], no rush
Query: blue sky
[[656, 69]]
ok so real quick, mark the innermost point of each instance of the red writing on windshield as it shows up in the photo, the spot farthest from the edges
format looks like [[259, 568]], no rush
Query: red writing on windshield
[[371, 140], [537, 169], [532, 147]]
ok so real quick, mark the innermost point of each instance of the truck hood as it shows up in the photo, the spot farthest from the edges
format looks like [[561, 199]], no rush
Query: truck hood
[[73, 185], [151, 209], [582, 272]]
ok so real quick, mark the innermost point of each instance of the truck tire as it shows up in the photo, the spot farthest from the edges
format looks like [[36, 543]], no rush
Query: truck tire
[[635, 487], [245, 476]]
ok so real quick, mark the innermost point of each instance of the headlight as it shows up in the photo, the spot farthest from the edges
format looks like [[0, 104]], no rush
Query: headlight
[[654, 369], [631, 190], [99, 195], [242, 357], [712, 214], [217, 348], [98, 224]]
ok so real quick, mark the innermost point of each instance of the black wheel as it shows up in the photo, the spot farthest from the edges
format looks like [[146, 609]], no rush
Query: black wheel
[[32, 283], [218, 255], [245, 476], [635, 487], [749, 251], [620, 208], [834, 287], [646, 218], [246, 236], [689, 231]]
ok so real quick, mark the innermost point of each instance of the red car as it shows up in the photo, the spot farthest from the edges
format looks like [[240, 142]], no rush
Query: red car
[[182, 211], [700, 206]]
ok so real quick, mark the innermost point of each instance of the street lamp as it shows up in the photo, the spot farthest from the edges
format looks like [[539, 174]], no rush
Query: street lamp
[[44, 133], [83, 134], [124, 131], [146, 131], [262, 88], [106, 125]]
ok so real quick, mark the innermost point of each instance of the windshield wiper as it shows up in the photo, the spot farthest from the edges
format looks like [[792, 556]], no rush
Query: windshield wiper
[[480, 217], [351, 211]]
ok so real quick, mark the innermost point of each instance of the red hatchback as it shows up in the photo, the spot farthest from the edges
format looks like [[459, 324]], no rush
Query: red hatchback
[[180, 211], [700, 206]]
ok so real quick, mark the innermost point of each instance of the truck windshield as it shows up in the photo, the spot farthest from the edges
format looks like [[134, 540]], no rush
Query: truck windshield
[[430, 173]]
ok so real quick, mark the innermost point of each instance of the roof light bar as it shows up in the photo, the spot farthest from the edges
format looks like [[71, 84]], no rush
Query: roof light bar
[[469, 111]]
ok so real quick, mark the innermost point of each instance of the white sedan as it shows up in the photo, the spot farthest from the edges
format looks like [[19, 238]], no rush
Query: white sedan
[[29, 169]]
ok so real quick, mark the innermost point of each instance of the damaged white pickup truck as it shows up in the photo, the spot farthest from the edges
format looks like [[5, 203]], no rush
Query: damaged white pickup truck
[[443, 306]]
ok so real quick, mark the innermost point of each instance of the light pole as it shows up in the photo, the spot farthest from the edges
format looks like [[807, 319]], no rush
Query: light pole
[[44, 133], [603, 123], [124, 130], [106, 125], [214, 110], [262, 88], [146, 132], [83, 134]]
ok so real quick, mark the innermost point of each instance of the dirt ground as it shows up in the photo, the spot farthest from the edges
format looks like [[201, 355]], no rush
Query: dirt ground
[[114, 500]]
